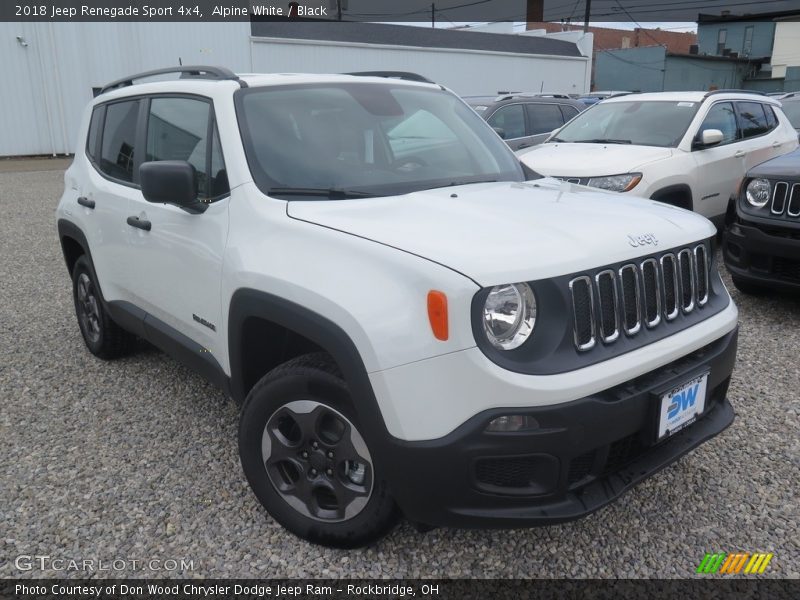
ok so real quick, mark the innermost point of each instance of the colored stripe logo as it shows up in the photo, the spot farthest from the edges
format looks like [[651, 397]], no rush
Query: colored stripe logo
[[733, 564]]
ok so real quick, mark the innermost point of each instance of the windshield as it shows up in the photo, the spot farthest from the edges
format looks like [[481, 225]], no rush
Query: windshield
[[343, 140], [792, 112], [642, 123]]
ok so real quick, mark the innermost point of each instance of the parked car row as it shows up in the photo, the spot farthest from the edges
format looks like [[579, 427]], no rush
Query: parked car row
[[689, 149], [524, 120], [728, 155], [762, 237]]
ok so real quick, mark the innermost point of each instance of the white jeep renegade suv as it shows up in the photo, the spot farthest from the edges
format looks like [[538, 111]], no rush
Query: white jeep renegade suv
[[413, 324], [689, 149]]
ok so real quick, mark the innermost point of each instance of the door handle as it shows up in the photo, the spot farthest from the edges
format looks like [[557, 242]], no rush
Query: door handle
[[776, 144], [139, 223], [84, 201], [740, 154]]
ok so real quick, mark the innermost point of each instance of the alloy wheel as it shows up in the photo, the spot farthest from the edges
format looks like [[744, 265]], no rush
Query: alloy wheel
[[88, 308], [317, 461]]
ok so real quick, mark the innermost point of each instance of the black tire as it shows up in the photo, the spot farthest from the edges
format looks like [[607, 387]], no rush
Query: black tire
[[748, 287], [103, 337], [312, 379]]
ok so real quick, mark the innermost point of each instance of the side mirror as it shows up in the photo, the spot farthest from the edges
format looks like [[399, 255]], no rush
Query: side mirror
[[500, 131], [710, 137], [171, 182]]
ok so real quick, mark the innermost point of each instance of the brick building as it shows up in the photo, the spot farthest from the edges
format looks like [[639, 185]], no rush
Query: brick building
[[606, 38]]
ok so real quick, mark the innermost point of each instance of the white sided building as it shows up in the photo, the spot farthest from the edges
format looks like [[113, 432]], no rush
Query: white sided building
[[56, 66]]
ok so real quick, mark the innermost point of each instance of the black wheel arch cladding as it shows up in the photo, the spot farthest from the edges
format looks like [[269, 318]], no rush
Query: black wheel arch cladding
[[328, 336]]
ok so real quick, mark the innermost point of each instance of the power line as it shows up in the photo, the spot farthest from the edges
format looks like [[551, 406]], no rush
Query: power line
[[646, 32], [698, 4], [631, 62], [650, 12]]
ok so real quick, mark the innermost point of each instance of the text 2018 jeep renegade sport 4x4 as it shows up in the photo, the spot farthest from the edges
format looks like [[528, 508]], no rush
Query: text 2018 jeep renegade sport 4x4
[[413, 322]]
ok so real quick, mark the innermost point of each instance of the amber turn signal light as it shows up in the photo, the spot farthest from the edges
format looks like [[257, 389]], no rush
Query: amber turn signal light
[[437, 314]]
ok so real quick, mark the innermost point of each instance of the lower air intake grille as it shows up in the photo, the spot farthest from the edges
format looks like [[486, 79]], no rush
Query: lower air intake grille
[[580, 467], [789, 269], [512, 472]]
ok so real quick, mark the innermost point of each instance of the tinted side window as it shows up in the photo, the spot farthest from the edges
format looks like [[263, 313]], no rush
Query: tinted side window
[[543, 118], [722, 117], [94, 132], [218, 175], [119, 139], [511, 119], [752, 120], [569, 112], [177, 129], [772, 120]]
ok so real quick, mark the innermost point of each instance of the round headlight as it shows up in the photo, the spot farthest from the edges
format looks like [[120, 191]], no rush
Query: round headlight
[[509, 315], [757, 192]]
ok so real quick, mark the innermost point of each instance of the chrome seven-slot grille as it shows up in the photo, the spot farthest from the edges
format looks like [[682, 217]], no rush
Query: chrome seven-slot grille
[[785, 199], [647, 293]]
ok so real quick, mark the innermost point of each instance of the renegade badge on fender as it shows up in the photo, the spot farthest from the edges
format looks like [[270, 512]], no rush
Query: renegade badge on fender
[[413, 323]]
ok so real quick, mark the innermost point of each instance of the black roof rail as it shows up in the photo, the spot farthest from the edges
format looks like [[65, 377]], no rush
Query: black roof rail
[[734, 91], [393, 75], [534, 95], [198, 72]]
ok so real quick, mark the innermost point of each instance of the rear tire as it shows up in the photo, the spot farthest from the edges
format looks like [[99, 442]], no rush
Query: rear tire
[[103, 337], [305, 459]]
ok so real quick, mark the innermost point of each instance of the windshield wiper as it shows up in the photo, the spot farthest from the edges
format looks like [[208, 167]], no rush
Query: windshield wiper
[[603, 141], [330, 193], [557, 139], [454, 183]]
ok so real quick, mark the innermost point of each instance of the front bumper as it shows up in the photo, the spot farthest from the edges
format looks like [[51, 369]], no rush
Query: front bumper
[[763, 255], [584, 454]]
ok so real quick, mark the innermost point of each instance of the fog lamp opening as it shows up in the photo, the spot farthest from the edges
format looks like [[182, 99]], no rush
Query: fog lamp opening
[[512, 423]]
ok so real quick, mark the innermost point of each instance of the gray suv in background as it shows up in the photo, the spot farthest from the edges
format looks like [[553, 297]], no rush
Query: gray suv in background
[[525, 120]]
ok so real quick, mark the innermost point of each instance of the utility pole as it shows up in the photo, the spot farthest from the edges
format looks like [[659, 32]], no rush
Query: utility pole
[[588, 16], [433, 14], [339, 9]]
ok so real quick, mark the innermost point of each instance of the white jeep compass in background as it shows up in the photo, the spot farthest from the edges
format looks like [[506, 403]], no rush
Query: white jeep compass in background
[[413, 324], [689, 149]]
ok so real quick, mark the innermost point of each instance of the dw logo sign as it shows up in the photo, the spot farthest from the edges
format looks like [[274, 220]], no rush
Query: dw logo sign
[[682, 400]]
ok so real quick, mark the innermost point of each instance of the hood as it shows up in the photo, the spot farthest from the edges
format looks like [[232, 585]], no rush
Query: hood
[[591, 160], [498, 233], [787, 166]]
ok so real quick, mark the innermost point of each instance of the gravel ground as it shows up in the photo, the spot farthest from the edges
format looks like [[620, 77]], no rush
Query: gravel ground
[[136, 459]]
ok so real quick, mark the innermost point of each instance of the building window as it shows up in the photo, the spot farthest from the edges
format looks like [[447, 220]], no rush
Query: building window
[[722, 38], [747, 48]]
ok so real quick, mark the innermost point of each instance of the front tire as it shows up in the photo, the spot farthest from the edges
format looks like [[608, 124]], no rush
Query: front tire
[[307, 462], [103, 337]]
